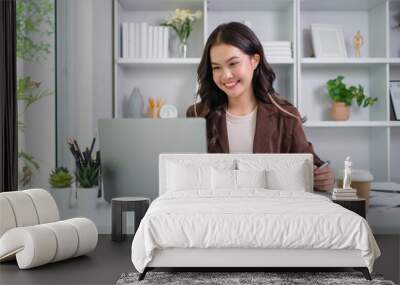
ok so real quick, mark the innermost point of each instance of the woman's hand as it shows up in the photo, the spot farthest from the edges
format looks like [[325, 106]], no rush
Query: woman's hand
[[324, 179]]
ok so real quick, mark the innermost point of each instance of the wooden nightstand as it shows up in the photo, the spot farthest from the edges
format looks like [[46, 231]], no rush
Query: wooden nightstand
[[358, 206]]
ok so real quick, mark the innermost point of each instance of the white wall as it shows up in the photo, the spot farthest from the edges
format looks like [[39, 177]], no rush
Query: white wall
[[84, 91], [84, 85]]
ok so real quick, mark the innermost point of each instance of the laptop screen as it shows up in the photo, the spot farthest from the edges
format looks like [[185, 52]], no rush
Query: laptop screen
[[129, 150]]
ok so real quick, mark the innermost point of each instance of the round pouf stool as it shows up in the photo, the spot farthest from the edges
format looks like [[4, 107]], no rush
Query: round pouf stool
[[126, 204]]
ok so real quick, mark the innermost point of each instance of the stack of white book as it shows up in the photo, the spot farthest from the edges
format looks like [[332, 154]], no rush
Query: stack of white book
[[141, 40], [277, 50], [344, 194]]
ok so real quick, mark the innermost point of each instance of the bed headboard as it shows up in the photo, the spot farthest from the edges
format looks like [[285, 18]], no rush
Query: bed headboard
[[279, 162]]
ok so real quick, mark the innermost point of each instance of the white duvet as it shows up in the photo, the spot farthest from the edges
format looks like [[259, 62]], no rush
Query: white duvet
[[251, 218]]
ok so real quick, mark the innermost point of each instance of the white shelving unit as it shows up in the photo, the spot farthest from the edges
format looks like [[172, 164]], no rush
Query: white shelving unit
[[369, 136]]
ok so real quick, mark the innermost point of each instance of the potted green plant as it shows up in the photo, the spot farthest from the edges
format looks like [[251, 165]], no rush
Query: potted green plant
[[87, 174], [60, 178], [60, 181], [343, 97]]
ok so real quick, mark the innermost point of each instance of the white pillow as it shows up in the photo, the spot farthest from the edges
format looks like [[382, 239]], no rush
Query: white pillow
[[223, 179], [281, 174], [293, 179], [188, 177], [251, 178]]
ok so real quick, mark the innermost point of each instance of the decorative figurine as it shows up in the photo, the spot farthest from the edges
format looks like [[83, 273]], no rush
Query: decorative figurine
[[347, 174], [358, 41], [346, 192]]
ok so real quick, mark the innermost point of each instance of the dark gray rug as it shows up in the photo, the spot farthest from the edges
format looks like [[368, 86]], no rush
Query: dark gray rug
[[243, 278]]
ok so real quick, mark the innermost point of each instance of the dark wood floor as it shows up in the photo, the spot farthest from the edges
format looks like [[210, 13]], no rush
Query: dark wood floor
[[102, 266], [111, 259]]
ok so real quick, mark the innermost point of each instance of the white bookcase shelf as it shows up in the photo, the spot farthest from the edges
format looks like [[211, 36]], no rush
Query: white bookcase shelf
[[369, 136], [194, 60], [156, 61], [394, 61], [344, 61], [350, 124]]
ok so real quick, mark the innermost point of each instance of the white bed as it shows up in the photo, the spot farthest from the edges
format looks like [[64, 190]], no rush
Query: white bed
[[202, 221]]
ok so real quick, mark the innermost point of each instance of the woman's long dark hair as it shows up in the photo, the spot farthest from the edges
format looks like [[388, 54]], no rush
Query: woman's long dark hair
[[242, 37]]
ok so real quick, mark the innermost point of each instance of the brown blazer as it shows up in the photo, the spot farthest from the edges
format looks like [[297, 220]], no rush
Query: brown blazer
[[276, 132]]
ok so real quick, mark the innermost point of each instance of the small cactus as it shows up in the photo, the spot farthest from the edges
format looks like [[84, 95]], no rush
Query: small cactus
[[60, 178]]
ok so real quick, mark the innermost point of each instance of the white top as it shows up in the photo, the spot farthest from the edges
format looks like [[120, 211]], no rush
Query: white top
[[241, 131]]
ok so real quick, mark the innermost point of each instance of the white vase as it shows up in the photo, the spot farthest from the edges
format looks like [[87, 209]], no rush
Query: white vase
[[136, 103], [62, 196], [183, 48], [87, 197]]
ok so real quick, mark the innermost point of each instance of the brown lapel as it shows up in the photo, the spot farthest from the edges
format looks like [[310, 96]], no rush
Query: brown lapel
[[264, 128], [223, 136]]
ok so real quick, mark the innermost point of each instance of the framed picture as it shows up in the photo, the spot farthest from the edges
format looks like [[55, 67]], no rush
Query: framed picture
[[395, 99], [328, 40]]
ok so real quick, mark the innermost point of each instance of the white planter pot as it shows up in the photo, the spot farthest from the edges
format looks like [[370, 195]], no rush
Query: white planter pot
[[62, 196], [87, 197]]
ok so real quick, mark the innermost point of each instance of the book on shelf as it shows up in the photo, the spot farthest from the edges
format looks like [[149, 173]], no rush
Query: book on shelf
[[150, 34], [276, 44], [395, 98], [155, 42], [136, 40], [131, 40], [165, 48], [160, 42], [141, 40], [124, 40], [278, 53], [277, 58], [277, 50]]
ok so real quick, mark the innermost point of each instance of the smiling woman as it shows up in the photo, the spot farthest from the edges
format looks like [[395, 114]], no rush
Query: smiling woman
[[242, 109]]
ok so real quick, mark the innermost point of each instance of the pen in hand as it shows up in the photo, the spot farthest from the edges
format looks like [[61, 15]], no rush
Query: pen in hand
[[323, 165]]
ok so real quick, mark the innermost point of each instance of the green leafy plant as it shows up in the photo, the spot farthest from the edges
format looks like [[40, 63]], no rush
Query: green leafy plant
[[339, 92], [87, 168], [34, 22], [88, 175], [60, 178], [31, 17]]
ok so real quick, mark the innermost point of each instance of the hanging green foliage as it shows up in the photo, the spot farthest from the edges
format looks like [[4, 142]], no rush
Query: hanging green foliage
[[34, 25], [34, 17]]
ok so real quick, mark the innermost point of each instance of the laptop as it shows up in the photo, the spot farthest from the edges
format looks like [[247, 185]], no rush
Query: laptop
[[129, 150]]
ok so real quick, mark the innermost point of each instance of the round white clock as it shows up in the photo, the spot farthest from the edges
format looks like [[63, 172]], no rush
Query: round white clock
[[168, 111]]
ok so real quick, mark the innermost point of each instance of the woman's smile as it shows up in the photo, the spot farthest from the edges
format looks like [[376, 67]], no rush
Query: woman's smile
[[231, 84]]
